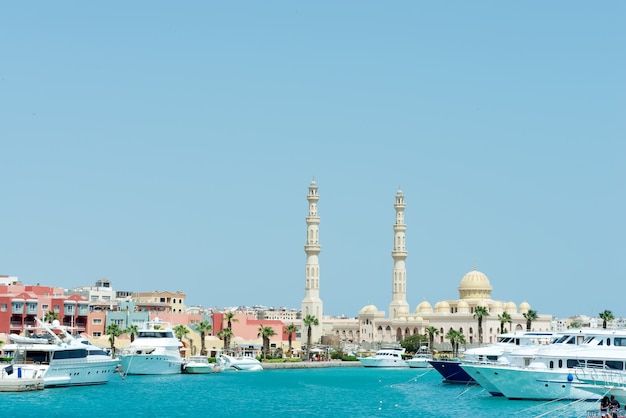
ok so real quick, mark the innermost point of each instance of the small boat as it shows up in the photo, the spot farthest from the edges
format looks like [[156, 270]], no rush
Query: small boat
[[247, 363], [14, 381], [200, 365], [421, 359], [385, 357]]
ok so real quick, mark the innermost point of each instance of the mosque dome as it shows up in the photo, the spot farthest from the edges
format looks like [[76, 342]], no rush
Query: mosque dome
[[475, 285], [424, 307], [524, 307], [403, 311], [369, 309], [442, 307], [510, 307], [463, 307], [496, 307]]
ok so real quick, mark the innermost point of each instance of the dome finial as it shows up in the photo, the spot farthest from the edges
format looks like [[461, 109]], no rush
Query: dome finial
[[475, 268]]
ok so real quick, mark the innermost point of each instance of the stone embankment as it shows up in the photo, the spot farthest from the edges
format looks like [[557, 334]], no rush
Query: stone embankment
[[311, 364]]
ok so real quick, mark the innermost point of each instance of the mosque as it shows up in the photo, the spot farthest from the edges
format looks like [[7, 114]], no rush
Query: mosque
[[372, 326]]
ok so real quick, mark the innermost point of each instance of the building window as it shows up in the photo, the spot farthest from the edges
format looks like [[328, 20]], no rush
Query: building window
[[96, 321], [96, 334], [4, 307], [57, 308]]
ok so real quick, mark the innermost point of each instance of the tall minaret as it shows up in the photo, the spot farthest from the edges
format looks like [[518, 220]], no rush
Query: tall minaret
[[312, 304], [398, 290]]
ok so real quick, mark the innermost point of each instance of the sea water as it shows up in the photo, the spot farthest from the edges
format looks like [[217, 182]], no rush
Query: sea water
[[326, 392]]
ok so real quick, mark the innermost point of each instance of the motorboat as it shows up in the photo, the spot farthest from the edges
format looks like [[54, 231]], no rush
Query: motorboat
[[451, 371], [155, 350], [385, 357], [12, 381], [49, 352], [239, 363], [200, 365], [555, 371], [420, 359]]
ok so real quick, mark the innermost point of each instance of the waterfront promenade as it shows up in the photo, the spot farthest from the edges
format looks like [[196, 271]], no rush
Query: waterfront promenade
[[310, 364]]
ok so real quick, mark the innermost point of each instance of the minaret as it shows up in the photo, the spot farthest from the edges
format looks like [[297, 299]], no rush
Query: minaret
[[312, 304], [398, 289]]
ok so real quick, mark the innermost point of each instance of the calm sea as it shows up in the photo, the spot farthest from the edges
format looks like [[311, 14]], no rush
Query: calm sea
[[332, 392]]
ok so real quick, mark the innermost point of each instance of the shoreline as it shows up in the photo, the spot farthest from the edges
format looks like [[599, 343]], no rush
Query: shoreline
[[310, 365]]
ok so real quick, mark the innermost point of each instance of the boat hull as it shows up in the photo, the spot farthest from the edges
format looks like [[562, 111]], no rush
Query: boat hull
[[139, 364], [383, 363], [525, 383], [451, 371]]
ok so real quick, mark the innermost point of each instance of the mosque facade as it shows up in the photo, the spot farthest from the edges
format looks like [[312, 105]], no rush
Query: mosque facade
[[372, 326]]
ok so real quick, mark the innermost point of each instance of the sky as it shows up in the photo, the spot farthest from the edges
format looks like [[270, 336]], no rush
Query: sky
[[170, 145]]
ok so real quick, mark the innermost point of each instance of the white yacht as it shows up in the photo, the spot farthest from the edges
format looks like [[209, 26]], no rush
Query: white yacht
[[385, 357], [239, 363], [155, 350], [554, 371], [420, 359], [51, 353]]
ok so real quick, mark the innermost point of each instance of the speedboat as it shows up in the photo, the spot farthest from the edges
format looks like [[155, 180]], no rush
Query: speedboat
[[155, 350], [420, 359], [200, 365], [451, 371], [385, 357], [555, 371], [247, 363], [49, 352]]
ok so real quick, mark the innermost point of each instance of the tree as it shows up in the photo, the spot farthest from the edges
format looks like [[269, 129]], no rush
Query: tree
[[431, 332], [480, 312], [113, 330], [225, 334], [203, 327], [606, 316], [180, 331], [230, 318], [290, 330], [575, 324], [132, 331], [309, 321], [266, 333], [50, 316], [530, 317], [412, 343], [504, 318], [455, 338]]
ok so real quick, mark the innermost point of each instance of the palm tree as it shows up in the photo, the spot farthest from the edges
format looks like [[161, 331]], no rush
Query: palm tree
[[225, 334], [180, 331], [504, 318], [308, 322], [230, 318], [266, 333], [431, 332], [460, 339], [113, 330], [50, 316], [452, 335], [203, 327], [132, 330], [530, 317], [479, 313], [606, 316], [290, 330]]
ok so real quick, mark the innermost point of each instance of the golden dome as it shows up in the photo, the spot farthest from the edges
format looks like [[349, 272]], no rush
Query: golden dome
[[475, 285]]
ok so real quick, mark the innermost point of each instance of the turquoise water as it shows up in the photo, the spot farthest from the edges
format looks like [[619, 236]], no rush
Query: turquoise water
[[331, 392]]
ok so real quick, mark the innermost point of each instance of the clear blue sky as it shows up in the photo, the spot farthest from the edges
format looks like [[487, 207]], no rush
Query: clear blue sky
[[170, 145]]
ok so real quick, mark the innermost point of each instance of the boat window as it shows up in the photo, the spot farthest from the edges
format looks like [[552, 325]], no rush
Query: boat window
[[562, 339], [595, 364], [67, 354], [551, 364], [572, 340], [560, 363], [619, 342], [608, 341], [615, 365], [589, 339], [571, 363]]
